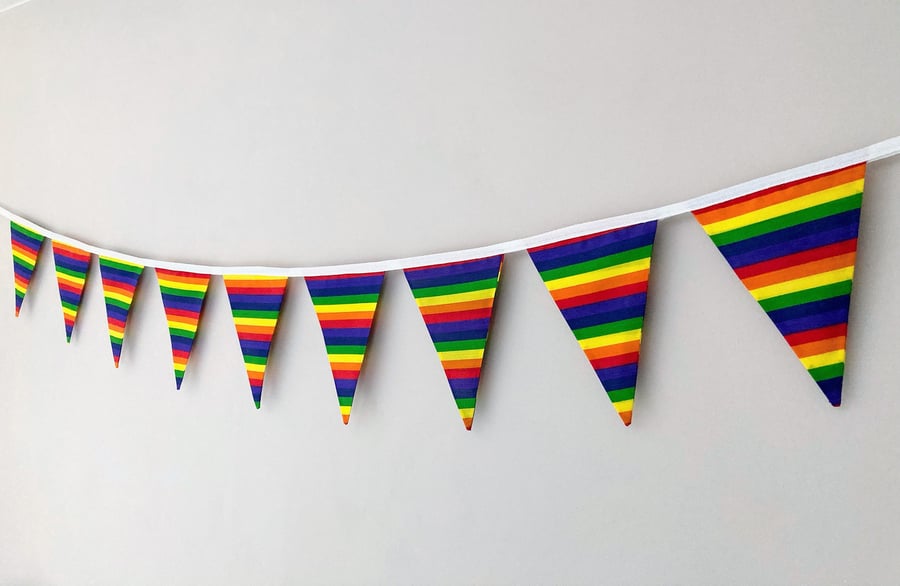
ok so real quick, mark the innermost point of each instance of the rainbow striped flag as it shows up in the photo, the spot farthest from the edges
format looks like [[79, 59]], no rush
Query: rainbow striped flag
[[794, 248], [71, 272], [182, 297], [456, 300], [599, 283], [345, 306], [25, 248], [255, 305], [120, 279]]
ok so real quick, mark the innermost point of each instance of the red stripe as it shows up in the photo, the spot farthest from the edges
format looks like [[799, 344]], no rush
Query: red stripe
[[181, 312], [115, 322], [255, 337], [333, 277], [346, 374], [274, 291], [463, 372], [604, 295], [71, 288], [619, 360], [817, 334], [344, 323], [181, 354], [798, 258], [439, 318]]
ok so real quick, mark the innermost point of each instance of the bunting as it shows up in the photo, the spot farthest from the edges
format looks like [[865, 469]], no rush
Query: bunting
[[599, 283], [255, 305], [71, 272], [182, 298], [345, 306], [120, 279], [456, 301], [794, 248], [26, 245]]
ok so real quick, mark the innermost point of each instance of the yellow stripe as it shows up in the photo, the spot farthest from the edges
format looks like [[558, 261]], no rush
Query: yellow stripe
[[255, 321], [786, 207], [456, 297], [467, 413], [24, 258], [119, 297], [255, 367], [181, 285], [346, 308], [71, 280], [346, 358], [69, 312], [610, 339], [239, 278], [461, 354], [621, 406], [824, 359], [345, 409], [605, 273], [803, 283], [181, 325]]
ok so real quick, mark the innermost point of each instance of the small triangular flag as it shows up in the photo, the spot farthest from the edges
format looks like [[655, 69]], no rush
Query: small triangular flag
[[120, 279], [182, 297], [345, 306], [456, 301], [71, 272], [26, 245], [255, 305], [794, 248], [599, 283]]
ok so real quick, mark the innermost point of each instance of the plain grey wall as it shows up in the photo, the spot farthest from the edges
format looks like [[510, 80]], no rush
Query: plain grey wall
[[291, 133]]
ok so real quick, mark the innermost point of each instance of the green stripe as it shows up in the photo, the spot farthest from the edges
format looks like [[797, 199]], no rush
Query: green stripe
[[254, 313], [343, 299], [182, 332], [610, 328], [116, 339], [345, 401], [25, 231], [827, 372], [117, 303], [851, 202], [71, 306], [339, 349], [71, 273], [109, 263], [621, 394], [21, 262], [477, 344], [599, 263], [254, 360], [181, 292], [465, 403], [458, 288], [807, 296]]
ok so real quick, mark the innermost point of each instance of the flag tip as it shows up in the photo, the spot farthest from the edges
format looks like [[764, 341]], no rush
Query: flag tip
[[626, 417], [257, 403], [346, 419]]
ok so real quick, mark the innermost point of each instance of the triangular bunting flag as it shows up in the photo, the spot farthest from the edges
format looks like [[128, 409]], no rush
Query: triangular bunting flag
[[345, 306], [120, 279], [255, 304], [25, 248], [182, 297], [71, 272], [456, 300], [599, 283], [794, 248]]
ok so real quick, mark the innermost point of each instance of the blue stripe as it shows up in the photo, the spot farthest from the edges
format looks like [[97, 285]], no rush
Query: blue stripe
[[619, 241]]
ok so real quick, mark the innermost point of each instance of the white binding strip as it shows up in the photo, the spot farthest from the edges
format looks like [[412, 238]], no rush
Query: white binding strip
[[880, 150], [16, 5]]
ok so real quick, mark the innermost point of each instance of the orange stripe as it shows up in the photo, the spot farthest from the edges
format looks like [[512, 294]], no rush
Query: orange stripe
[[349, 315], [820, 346], [602, 285], [463, 306], [614, 350], [108, 288], [799, 271], [255, 330], [461, 364], [765, 199]]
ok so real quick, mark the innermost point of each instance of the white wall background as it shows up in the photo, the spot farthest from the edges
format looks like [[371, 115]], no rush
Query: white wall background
[[285, 132]]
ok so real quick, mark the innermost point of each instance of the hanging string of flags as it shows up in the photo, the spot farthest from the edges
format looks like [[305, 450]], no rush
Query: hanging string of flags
[[790, 238]]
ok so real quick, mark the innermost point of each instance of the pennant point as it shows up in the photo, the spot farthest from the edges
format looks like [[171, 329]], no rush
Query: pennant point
[[626, 417], [346, 418], [17, 312], [468, 423], [257, 403]]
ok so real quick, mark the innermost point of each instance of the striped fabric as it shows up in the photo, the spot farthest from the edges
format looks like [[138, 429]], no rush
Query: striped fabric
[[255, 304], [182, 297], [345, 306], [794, 247], [25, 248], [71, 272], [456, 300], [119, 282], [599, 283]]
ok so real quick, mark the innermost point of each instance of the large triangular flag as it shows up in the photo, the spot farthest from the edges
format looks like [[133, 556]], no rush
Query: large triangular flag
[[71, 272], [255, 305], [120, 279], [182, 297], [794, 248], [456, 300], [345, 306], [599, 283], [26, 245]]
